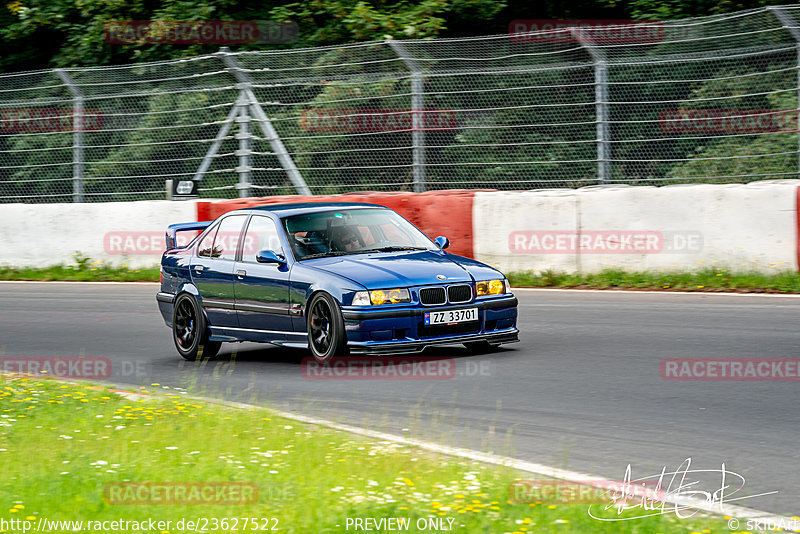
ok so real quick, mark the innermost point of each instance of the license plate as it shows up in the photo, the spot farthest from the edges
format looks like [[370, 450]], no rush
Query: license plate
[[451, 316]]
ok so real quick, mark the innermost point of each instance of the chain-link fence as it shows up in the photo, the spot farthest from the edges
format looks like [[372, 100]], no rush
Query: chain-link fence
[[712, 99]]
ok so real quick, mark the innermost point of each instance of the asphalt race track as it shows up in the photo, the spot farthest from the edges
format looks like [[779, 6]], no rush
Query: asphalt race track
[[582, 391]]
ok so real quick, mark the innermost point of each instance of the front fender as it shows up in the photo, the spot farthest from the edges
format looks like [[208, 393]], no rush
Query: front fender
[[305, 281]]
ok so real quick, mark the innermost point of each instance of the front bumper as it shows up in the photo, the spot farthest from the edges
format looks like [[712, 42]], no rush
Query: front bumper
[[401, 329]]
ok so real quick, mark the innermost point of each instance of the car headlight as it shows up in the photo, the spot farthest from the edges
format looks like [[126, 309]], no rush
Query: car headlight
[[361, 298], [490, 287], [381, 296]]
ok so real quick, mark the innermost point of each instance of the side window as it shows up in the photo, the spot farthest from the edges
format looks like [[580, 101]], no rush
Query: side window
[[227, 238], [262, 234], [207, 243]]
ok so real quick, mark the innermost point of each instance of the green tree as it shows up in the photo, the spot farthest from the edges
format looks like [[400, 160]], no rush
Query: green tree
[[64, 33]]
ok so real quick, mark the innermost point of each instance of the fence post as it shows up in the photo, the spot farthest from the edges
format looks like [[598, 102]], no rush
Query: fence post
[[218, 140], [78, 124], [417, 114], [788, 22], [244, 152], [601, 106], [245, 85]]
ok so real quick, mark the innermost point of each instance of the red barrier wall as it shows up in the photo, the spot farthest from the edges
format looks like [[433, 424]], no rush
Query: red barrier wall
[[797, 226], [447, 213]]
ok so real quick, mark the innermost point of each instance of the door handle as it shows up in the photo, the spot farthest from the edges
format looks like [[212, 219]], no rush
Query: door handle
[[199, 268], [241, 273]]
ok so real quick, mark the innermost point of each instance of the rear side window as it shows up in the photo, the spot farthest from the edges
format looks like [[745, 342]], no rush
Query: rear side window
[[262, 234], [227, 239], [206, 246]]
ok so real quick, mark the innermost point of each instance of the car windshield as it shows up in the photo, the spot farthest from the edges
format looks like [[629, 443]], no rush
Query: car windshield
[[352, 231]]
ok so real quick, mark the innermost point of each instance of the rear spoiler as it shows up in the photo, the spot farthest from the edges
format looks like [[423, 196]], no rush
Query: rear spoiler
[[173, 229]]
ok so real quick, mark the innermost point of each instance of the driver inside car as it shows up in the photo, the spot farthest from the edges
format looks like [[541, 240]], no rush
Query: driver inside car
[[344, 239]]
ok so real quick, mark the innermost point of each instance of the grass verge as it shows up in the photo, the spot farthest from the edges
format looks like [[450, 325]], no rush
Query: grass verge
[[706, 280], [66, 273], [83, 270], [63, 445]]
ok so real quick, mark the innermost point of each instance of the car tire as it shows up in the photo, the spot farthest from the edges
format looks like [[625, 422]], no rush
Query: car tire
[[325, 327], [480, 347], [190, 330]]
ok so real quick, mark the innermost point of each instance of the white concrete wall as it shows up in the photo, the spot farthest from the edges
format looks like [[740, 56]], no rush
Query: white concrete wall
[[497, 216], [121, 233], [643, 228], [663, 228]]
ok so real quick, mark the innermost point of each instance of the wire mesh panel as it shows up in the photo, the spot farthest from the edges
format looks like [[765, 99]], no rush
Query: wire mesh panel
[[711, 99], [340, 111], [714, 101]]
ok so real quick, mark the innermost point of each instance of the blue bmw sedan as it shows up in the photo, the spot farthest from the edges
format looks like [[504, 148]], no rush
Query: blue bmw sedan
[[334, 278]]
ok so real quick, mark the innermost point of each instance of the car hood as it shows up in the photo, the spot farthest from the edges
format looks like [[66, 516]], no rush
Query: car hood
[[404, 269]]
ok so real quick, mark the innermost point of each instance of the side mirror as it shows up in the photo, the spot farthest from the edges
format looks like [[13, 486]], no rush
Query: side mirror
[[442, 242], [267, 256]]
